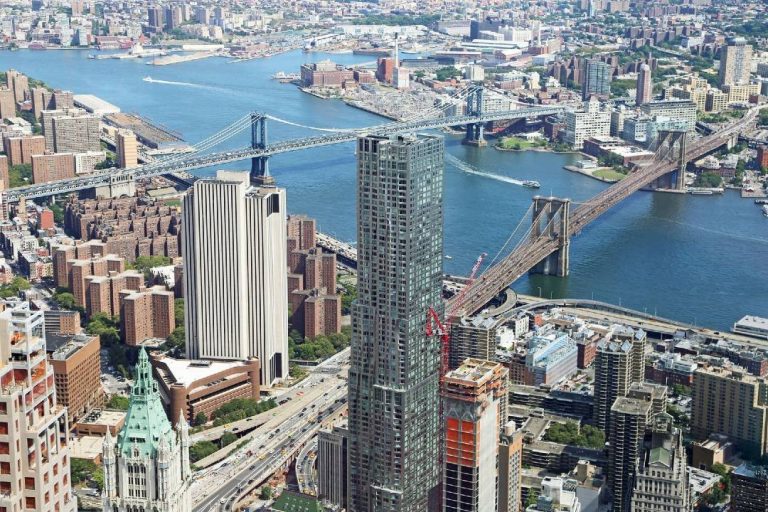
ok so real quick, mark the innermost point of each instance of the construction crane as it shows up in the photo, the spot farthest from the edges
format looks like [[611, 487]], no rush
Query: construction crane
[[443, 329]]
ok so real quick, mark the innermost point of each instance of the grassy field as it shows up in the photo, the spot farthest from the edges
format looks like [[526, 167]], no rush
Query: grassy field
[[609, 174], [515, 143]]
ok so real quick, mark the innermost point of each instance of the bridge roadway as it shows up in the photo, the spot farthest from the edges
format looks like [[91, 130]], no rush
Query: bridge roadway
[[188, 163], [497, 278]]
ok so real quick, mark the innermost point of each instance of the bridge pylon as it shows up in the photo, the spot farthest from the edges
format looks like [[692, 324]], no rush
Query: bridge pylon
[[672, 142], [551, 218], [475, 131], [259, 164]]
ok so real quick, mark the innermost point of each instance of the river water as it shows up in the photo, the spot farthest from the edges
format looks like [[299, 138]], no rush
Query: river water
[[701, 260]]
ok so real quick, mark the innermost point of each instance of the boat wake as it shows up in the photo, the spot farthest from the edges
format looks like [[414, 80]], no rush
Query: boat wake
[[462, 166], [180, 84]]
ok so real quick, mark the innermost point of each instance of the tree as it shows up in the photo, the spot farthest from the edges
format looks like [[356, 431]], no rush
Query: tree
[[201, 419], [265, 493], [19, 175], [447, 73], [106, 327], [118, 402], [178, 312], [227, 438], [681, 390], [201, 449], [58, 213], [13, 288], [82, 471], [65, 300], [709, 180]]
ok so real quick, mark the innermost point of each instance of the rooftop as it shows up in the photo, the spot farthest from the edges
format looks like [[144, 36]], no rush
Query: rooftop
[[185, 372]]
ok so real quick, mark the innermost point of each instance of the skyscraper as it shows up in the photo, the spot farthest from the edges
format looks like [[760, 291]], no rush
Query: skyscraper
[[235, 269], [147, 466], [127, 149], [619, 363], [510, 469], [629, 418], [34, 430], [735, 62], [644, 85], [661, 476], [332, 466], [597, 80], [475, 405], [394, 374]]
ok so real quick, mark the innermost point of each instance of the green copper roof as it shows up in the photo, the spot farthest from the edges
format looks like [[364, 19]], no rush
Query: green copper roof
[[661, 456], [145, 423]]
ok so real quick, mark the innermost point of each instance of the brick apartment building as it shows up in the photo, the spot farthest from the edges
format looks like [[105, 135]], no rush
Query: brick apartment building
[[52, 167], [315, 307], [76, 365]]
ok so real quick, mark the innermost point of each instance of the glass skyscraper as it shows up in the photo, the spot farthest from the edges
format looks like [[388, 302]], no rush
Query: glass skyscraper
[[394, 375]]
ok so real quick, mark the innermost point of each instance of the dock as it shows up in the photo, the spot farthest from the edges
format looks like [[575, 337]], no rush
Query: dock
[[178, 59]]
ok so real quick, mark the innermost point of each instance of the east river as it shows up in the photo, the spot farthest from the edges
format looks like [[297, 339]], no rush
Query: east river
[[697, 259]]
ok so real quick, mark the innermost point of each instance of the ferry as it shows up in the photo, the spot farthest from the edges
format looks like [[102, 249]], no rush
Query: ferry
[[448, 257], [531, 184], [701, 192]]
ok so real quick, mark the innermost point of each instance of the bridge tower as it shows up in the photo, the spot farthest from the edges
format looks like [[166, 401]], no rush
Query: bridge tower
[[550, 218], [671, 143], [474, 107], [259, 164]]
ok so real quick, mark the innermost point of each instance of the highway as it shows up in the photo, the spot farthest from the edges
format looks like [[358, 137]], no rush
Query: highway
[[306, 470], [322, 394]]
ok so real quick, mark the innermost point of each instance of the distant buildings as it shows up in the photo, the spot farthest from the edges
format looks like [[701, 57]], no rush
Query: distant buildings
[[717, 393], [474, 406], [234, 239], [147, 467], [34, 468], [661, 476], [393, 463], [597, 80], [325, 74], [735, 62], [644, 85], [680, 112], [593, 119]]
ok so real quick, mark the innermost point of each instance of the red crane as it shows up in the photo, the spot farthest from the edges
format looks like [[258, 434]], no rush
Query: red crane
[[443, 330]]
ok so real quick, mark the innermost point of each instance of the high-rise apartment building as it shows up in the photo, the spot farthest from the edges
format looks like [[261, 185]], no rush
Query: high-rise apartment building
[[597, 80], [7, 103], [644, 85], [510, 469], [661, 472], [34, 429], [474, 406], [146, 314], [592, 120], [619, 362], [18, 83], [76, 133], [147, 466], [332, 467], [749, 486], [53, 167], [475, 338], [127, 149], [730, 401], [20, 149], [155, 19], [235, 269], [629, 418], [394, 375], [76, 363], [735, 62]]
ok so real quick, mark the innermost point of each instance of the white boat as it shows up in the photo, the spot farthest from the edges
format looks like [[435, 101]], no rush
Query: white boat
[[765, 210], [531, 184], [700, 192], [148, 79]]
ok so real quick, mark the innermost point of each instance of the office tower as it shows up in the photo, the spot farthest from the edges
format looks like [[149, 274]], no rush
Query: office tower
[[510, 469], [661, 476], [34, 429], [749, 488], [76, 363], [597, 80], [717, 393], [332, 466], [7, 104], [475, 338], [235, 269], [52, 167], [644, 85], [735, 62], [618, 363], [127, 149], [474, 406], [558, 494], [629, 417], [394, 374], [147, 466]]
